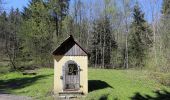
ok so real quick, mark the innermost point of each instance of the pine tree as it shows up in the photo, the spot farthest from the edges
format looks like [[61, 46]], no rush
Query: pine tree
[[140, 38], [102, 43], [3, 32], [59, 10], [36, 33]]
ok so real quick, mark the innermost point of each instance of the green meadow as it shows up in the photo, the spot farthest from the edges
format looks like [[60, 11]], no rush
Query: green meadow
[[104, 84]]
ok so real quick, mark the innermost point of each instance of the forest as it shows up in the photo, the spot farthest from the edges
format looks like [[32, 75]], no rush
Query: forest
[[128, 43], [116, 34]]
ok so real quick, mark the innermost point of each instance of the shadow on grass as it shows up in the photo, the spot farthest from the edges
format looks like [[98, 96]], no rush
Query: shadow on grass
[[104, 97], [7, 85], [96, 85], [160, 95]]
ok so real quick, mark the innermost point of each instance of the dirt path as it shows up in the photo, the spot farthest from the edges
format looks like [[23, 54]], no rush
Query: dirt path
[[13, 97]]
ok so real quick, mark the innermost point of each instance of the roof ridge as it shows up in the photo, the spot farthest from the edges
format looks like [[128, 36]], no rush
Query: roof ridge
[[62, 51]]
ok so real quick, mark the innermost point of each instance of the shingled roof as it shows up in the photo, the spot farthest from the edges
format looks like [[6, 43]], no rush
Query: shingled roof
[[70, 47]]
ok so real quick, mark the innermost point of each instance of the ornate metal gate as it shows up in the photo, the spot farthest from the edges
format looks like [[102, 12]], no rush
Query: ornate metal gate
[[71, 76]]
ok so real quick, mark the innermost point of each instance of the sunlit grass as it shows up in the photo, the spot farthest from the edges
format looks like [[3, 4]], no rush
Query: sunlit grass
[[37, 86], [125, 84], [110, 84]]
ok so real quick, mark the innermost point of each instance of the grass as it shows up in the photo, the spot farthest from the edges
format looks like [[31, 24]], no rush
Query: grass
[[125, 84], [104, 84], [38, 87]]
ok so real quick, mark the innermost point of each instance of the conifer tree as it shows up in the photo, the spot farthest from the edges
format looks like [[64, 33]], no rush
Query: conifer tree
[[59, 10], [102, 43], [36, 33], [140, 38], [38, 29]]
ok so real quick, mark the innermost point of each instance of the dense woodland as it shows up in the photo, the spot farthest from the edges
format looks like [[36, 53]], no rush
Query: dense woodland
[[115, 33]]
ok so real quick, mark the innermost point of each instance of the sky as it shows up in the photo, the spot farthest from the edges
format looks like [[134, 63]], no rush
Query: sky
[[149, 6], [8, 4], [146, 6]]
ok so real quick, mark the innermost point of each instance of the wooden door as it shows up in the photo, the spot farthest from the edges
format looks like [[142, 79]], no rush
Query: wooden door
[[71, 77]]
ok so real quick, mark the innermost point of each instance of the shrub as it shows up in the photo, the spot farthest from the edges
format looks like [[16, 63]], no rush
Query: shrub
[[162, 78]]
